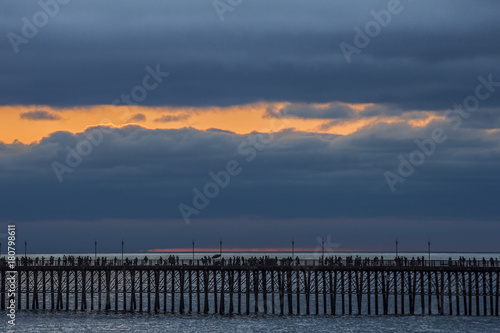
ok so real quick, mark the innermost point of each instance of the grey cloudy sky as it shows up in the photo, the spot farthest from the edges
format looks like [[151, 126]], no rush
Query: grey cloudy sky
[[428, 55]]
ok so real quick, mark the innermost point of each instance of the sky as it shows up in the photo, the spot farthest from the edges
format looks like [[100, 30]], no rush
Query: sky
[[255, 122]]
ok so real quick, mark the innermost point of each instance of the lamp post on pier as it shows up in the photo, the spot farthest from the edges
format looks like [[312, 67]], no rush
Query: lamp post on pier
[[95, 250], [25, 250], [322, 251], [293, 249], [122, 250], [193, 251], [429, 249], [396, 247], [220, 247]]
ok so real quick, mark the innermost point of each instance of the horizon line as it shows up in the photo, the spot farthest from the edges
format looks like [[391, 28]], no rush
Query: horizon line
[[251, 249]]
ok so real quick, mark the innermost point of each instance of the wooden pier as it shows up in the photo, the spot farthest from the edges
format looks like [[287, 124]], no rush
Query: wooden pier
[[311, 288]]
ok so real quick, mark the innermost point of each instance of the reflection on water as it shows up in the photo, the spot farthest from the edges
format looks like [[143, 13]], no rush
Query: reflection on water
[[46, 321]]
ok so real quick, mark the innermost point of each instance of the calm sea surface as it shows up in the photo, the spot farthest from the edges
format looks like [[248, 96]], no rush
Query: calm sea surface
[[80, 321], [98, 322]]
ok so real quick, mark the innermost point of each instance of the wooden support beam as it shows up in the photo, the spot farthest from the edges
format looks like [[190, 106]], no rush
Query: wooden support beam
[[116, 290], [222, 307]]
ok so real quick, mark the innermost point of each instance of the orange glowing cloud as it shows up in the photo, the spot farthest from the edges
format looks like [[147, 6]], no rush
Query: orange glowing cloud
[[16, 125]]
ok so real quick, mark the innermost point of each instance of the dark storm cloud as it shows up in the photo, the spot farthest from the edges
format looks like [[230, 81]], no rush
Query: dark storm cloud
[[169, 118], [138, 117], [136, 173], [427, 57], [485, 118], [305, 111], [39, 115], [337, 114]]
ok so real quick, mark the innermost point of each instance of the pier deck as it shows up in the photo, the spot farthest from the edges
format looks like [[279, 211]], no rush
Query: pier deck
[[289, 287]]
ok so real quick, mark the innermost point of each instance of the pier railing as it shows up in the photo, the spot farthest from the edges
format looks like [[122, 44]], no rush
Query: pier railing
[[266, 285], [253, 262]]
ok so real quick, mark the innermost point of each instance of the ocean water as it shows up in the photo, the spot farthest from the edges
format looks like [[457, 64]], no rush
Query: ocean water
[[87, 321], [50, 322]]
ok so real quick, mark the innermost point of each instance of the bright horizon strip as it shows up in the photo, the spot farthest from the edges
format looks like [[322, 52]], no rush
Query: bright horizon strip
[[76, 120], [242, 250]]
